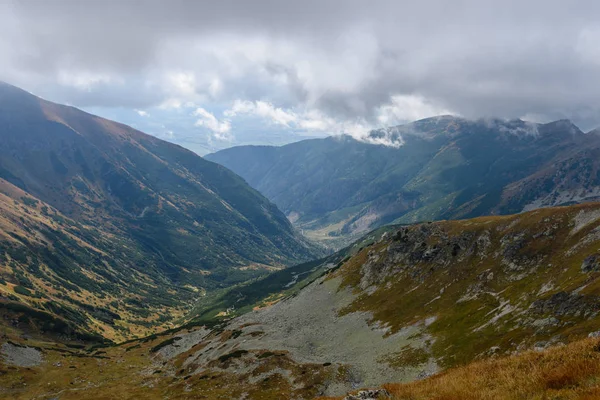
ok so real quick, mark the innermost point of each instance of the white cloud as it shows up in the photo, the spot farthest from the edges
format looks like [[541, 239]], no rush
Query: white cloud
[[221, 130], [303, 120], [182, 83], [349, 60], [536, 118], [215, 87], [85, 81], [262, 109], [170, 104], [401, 109], [315, 120], [176, 104], [142, 113], [406, 108]]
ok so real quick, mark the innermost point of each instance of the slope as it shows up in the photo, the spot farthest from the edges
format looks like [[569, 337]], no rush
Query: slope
[[77, 276], [424, 298], [413, 302], [562, 372], [171, 220], [336, 189]]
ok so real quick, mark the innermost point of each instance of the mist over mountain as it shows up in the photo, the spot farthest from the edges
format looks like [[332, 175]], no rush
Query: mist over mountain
[[437, 168]]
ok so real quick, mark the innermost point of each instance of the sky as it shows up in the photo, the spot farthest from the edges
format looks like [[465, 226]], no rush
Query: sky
[[213, 74]]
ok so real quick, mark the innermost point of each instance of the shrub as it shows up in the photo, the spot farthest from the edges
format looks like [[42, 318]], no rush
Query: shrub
[[23, 291]]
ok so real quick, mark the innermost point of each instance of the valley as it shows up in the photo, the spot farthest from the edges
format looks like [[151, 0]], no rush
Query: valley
[[119, 233], [132, 268], [337, 189], [408, 303], [296, 200]]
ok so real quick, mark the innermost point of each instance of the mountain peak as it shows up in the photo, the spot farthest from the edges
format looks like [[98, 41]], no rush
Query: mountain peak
[[561, 126]]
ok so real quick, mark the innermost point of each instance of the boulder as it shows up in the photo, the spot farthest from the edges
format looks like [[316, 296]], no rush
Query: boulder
[[591, 264], [372, 394]]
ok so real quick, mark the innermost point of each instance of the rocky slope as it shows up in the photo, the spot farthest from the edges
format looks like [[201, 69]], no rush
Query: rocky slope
[[413, 302], [560, 372], [336, 189], [99, 213]]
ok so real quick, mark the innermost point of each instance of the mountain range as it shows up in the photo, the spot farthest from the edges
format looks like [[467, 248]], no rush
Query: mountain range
[[337, 189], [133, 268], [110, 226]]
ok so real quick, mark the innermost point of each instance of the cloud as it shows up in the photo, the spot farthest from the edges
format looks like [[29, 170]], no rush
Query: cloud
[[182, 83], [405, 108], [83, 80], [315, 120], [142, 113], [514, 127], [307, 120], [401, 110], [220, 129], [262, 109], [314, 66]]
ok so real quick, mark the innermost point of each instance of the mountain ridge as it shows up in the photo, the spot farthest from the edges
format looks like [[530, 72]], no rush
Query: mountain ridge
[[450, 167], [186, 224]]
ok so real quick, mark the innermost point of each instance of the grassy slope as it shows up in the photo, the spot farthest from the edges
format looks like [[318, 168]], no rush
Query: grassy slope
[[505, 282], [127, 372], [339, 188], [121, 226], [274, 287], [71, 271], [483, 286], [133, 370], [568, 372]]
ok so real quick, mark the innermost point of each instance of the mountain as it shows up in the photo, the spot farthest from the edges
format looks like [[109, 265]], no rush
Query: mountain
[[99, 215], [338, 188], [443, 299]]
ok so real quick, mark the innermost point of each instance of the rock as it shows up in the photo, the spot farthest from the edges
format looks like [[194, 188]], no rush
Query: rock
[[425, 374], [591, 264], [22, 356], [540, 346], [567, 304], [545, 322], [594, 334], [372, 394]]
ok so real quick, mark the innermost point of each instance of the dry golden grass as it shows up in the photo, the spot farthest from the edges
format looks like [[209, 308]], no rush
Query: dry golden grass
[[569, 372], [565, 373]]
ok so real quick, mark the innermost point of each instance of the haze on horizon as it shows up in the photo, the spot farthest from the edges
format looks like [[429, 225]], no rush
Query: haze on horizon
[[210, 75]]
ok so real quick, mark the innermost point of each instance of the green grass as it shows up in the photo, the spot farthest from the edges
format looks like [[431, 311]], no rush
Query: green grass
[[273, 287], [463, 329]]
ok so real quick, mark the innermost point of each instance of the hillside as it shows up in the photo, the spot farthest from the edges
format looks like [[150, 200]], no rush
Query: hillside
[[105, 214], [336, 189], [563, 372], [409, 303]]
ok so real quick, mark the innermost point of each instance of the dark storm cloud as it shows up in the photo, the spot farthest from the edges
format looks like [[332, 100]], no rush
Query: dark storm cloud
[[345, 59]]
